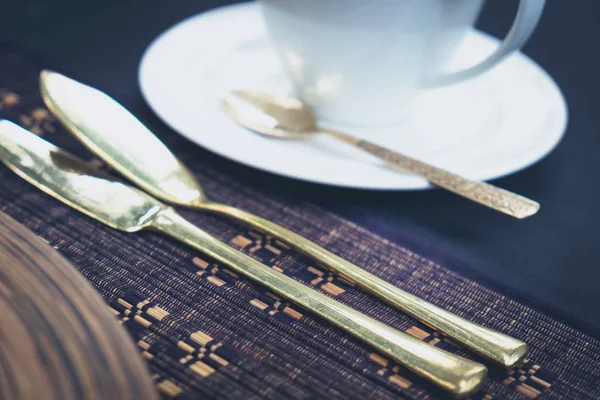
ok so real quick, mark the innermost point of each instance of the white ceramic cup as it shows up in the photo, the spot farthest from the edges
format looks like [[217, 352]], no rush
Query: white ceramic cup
[[362, 62]]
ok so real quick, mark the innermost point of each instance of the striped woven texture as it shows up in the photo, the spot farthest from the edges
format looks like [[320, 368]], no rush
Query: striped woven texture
[[206, 332]]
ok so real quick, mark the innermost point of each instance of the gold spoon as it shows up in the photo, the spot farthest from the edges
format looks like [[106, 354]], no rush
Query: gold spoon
[[288, 118], [115, 135]]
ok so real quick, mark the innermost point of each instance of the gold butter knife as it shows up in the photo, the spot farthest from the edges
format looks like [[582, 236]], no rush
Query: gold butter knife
[[116, 136], [71, 180]]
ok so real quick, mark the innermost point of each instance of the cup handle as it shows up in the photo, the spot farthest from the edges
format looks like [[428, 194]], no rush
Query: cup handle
[[528, 15]]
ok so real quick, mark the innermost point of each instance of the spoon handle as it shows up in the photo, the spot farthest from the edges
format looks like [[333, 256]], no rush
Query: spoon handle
[[502, 349], [491, 196], [455, 374]]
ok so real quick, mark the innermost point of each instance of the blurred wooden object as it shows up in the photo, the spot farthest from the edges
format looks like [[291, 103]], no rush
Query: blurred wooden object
[[58, 339]]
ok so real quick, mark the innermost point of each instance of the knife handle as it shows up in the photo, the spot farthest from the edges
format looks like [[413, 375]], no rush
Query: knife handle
[[502, 349], [491, 196], [455, 374]]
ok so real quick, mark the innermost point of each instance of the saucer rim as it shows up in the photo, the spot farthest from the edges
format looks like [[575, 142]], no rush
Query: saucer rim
[[537, 153]]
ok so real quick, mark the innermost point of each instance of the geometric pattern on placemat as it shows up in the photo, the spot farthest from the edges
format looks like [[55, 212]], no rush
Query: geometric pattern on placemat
[[206, 332]]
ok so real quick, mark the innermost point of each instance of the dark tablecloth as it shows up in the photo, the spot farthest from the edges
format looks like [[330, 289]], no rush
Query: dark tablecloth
[[207, 332]]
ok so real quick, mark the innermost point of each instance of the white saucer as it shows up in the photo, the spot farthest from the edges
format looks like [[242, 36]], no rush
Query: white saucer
[[485, 128]]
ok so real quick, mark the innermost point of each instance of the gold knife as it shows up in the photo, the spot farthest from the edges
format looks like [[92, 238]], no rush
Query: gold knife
[[71, 180], [120, 139]]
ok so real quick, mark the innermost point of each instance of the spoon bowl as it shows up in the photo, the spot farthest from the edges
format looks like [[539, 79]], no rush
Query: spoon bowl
[[279, 117]]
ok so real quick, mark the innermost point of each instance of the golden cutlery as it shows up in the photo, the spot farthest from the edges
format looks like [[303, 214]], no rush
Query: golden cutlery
[[289, 118], [122, 207], [119, 138]]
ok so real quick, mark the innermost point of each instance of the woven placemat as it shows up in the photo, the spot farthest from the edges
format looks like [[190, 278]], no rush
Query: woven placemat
[[206, 332]]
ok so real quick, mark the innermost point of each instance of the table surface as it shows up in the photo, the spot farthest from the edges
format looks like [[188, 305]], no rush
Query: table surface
[[550, 259]]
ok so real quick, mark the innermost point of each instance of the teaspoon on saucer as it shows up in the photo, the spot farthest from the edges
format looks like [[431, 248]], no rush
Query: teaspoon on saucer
[[119, 138], [289, 118]]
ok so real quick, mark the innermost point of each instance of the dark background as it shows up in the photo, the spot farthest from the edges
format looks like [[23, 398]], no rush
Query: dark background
[[551, 259]]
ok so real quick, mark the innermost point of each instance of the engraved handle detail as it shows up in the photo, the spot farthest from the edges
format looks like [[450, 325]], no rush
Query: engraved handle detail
[[483, 193], [491, 196], [455, 374]]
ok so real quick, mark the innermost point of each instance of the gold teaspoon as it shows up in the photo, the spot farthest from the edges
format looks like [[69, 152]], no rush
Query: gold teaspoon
[[288, 118]]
